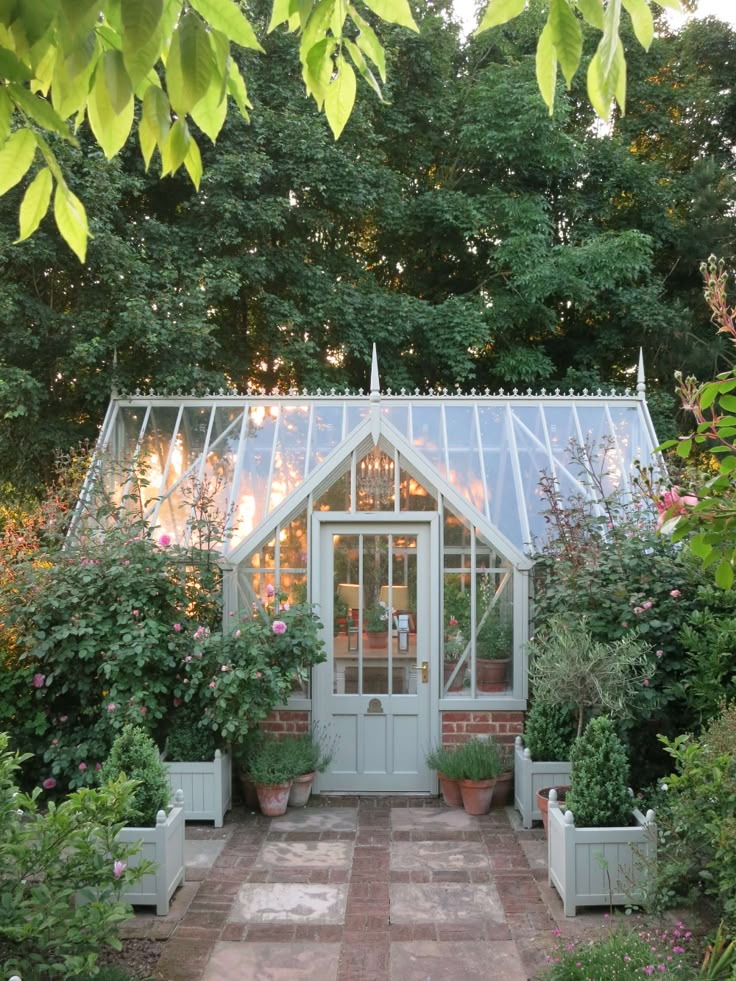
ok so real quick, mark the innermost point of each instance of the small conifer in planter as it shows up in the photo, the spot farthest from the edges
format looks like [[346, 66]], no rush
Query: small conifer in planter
[[549, 731], [135, 755], [599, 795]]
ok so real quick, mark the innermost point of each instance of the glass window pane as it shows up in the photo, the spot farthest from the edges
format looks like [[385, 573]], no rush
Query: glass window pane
[[293, 544], [413, 496], [375, 482], [255, 465], [336, 497], [289, 454], [457, 632], [347, 610], [427, 434], [377, 622], [326, 432], [494, 637], [154, 453]]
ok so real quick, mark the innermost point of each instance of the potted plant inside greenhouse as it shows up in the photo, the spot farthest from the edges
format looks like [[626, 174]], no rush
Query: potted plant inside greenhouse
[[310, 753], [493, 649], [565, 661], [479, 765], [196, 765], [153, 823], [601, 848], [447, 761], [375, 624]]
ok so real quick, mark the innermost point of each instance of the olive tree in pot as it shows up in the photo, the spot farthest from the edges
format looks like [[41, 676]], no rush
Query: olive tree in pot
[[599, 850]]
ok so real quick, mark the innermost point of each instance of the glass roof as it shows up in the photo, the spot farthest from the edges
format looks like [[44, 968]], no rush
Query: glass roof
[[255, 452]]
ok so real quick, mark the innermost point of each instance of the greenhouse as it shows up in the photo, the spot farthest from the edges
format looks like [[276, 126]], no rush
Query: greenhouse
[[407, 518]]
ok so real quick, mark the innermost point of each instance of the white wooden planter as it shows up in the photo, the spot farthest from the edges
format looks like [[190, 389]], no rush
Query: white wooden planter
[[598, 866], [207, 787], [529, 777], [164, 845]]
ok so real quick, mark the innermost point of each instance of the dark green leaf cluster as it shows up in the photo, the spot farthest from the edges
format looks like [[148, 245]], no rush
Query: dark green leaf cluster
[[549, 731], [274, 762], [599, 796], [188, 741], [135, 756]]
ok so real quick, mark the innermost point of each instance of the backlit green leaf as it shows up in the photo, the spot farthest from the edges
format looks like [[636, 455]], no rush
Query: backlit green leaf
[[225, 16], [592, 11], [193, 162], [40, 110], [699, 546], [367, 41], [71, 220], [13, 69], [190, 64], [317, 26], [16, 156], [607, 47], [111, 128], [147, 140], [72, 75], [236, 88], [119, 89], [393, 12], [724, 574], [175, 148], [279, 14], [35, 203], [143, 32], [6, 109], [727, 402], [210, 112], [567, 38], [547, 67], [157, 113], [360, 63], [317, 69], [340, 97], [500, 12], [684, 447], [641, 21]]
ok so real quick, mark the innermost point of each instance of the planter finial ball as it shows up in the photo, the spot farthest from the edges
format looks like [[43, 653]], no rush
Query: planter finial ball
[[179, 798], [517, 741], [650, 816], [569, 817], [218, 754], [161, 817], [553, 796], [527, 754]]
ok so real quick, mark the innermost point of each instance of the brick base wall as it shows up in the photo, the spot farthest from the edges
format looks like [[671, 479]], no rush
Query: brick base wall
[[284, 721], [458, 727]]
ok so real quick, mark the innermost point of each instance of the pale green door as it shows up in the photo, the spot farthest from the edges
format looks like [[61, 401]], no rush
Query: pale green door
[[374, 693]]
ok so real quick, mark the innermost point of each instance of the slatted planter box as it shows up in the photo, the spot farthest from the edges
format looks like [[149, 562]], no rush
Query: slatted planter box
[[598, 866], [164, 845], [207, 787], [530, 776]]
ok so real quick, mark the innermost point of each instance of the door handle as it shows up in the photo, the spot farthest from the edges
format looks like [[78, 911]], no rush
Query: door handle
[[425, 672]]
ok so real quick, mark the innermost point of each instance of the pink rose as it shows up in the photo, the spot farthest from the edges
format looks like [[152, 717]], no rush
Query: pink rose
[[118, 869], [673, 504], [144, 710], [279, 627], [285, 606], [638, 609], [675, 593], [647, 605], [98, 766], [111, 707], [177, 628], [164, 541], [258, 675], [54, 742], [237, 633], [185, 681], [212, 684], [224, 668], [188, 658], [453, 622], [82, 767], [63, 718], [659, 653], [646, 682], [39, 680], [49, 783], [269, 590]]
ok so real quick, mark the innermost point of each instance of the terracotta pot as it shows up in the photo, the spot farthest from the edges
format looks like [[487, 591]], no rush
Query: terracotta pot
[[273, 798], [301, 788], [376, 640], [457, 684], [477, 795], [490, 675], [502, 790], [250, 797], [450, 791], [543, 801]]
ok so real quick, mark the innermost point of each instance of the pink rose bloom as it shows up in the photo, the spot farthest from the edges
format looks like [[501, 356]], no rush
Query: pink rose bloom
[[82, 767], [118, 869], [660, 653], [269, 590], [164, 541], [279, 627], [285, 606], [647, 605], [136, 613], [188, 658], [63, 718], [144, 710], [185, 681], [258, 674], [177, 628], [638, 609], [224, 668], [98, 766], [39, 680], [200, 633], [212, 684], [111, 707], [49, 783], [673, 504], [54, 742], [453, 622], [675, 593], [646, 682], [231, 613], [237, 633]]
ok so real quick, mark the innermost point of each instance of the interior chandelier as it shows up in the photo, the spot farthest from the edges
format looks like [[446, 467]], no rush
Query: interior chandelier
[[376, 478]]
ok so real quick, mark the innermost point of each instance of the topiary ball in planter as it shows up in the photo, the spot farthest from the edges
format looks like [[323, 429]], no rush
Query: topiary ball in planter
[[135, 755], [599, 795], [549, 731]]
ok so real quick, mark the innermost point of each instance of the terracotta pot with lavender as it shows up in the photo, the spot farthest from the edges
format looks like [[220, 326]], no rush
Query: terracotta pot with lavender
[[310, 753], [479, 765], [272, 771], [445, 760]]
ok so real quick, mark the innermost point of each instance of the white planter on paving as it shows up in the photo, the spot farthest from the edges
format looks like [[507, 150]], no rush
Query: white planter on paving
[[530, 776], [164, 845], [207, 787], [598, 866]]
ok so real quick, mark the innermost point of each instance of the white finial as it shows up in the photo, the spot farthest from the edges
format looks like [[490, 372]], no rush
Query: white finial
[[641, 385], [375, 383]]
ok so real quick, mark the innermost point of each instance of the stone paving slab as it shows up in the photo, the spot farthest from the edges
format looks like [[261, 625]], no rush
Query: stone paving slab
[[444, 902], [287, 902], [317, 819], [306, 854], [438, 856], [427, 960], [433, 819], [202, 854], [272, 962]]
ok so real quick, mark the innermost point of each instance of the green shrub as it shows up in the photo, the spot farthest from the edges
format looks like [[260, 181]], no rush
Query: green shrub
[[549, 731], [599, 795], [447, 760], [479, 759], [47, 860], [273, 763], [134, 755], [188, 741], [309, 752]]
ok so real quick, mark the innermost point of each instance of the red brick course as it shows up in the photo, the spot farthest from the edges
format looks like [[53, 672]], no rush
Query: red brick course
[[458, 727]]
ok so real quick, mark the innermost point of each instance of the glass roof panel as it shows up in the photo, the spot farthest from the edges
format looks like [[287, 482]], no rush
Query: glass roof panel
[[256, 452], [326, 432], [502, 504], [154, 452], [602, 446], [398, 416], [427, 434], [465, 471], [534, 461], [290, 453], [222, 454]]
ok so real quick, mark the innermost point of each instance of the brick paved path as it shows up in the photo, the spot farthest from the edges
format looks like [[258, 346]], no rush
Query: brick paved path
[[369, 889]]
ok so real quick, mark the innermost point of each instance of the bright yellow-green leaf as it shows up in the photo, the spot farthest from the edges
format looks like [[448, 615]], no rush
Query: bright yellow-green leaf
[[50, 159], [368, 42], [72, 75], [80, 15], [724, 574], [361, 64], [394, 12], [316, 28], [337, 20], [6, 110], [599, 92], [340, 97], [641, 20], [36, 17], [176, 147], [12, 68], [40, 110], [618, 77], [210, 112], [147, 140], [547, 67], [35, 203], [225, 16], [317, 69], [592, 11], [157, 114], [71, 220], [44, 70], [236, 88], [189, 65], [193, 162], [500, 12], [16, 156], [607, 47], [142, 36], [119, 89], [279, 14], [110, 128], [567, 37]]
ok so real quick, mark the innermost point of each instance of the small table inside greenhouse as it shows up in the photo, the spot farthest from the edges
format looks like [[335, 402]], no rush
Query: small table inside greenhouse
[[404, 663]]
